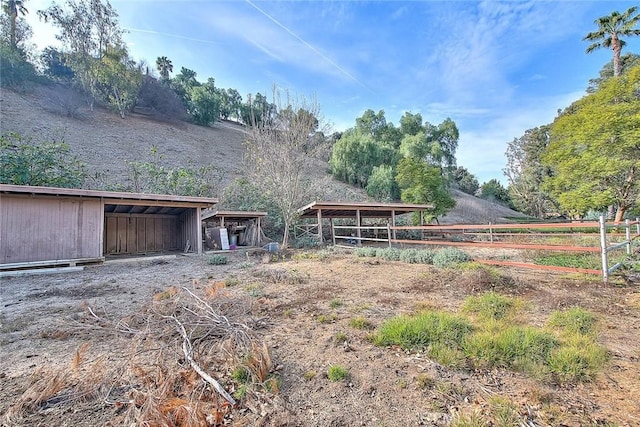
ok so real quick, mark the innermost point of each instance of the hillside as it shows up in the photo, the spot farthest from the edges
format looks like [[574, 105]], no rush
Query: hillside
[[105, 142]]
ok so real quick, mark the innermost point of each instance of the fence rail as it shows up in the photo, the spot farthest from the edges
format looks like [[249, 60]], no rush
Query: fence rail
[[494, 233]]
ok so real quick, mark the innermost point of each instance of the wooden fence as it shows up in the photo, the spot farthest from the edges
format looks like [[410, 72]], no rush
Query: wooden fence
[[506, 236]]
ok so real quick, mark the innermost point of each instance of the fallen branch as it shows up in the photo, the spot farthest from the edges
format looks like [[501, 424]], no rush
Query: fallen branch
[[188, 350]]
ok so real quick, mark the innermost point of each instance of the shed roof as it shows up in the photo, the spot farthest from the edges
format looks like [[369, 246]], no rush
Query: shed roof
[[367, 210], [116, 201], [233, 215]]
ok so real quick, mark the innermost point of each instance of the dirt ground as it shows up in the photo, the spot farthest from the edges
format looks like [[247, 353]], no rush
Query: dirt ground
[[302, 309]]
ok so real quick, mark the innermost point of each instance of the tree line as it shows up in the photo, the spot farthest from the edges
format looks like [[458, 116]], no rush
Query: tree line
[[94, 60], [587, 161]]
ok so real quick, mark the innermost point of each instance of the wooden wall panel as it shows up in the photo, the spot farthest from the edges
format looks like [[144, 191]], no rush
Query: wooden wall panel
[[49, 228], [140, 233]]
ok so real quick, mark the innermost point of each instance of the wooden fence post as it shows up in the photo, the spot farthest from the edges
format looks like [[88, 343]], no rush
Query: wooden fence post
[[603, 248], [627, 232]]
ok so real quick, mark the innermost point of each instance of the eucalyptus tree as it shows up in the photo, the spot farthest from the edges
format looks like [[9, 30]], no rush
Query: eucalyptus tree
[[13, 8], [610, 29], [526, 173]]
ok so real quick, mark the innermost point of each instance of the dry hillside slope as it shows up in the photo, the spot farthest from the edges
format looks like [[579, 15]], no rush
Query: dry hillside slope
[[105, 142]]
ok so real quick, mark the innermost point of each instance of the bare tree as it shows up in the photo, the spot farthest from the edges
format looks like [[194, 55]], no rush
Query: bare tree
[[279, 151]]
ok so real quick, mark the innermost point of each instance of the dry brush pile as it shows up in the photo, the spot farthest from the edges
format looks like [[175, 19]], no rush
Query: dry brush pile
[[174, 363]]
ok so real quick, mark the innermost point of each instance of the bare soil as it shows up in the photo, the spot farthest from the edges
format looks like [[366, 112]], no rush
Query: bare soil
[[301, 307]]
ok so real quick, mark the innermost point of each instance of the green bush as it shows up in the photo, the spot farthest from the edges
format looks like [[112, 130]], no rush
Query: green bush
[[410, 256], [359, 322], [425, 256], [337, 373], [389, 254], [423, 329], [449, 257], [217, 259], [575, 320], [46, 163], [366, 252]]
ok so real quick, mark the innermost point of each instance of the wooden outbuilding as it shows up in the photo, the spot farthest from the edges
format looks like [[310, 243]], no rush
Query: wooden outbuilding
[[242, 228], [351, 230], [49, 226]]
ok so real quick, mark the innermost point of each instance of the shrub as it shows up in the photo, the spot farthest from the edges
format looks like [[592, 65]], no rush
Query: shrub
[[410, 256], [423, 329], [425, 256], [366, 252], [337, 373], [47, 163], [163, 101], [448, 257], [575, 320], [217, 259], [389, 254]]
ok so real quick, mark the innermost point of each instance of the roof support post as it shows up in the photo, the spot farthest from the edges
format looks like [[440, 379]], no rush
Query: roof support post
[[393, 222], [199, 230], [320, 226], [358, 225], [333, 231]]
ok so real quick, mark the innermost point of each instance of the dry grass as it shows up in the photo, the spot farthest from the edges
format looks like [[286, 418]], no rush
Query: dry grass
[[145, 378]]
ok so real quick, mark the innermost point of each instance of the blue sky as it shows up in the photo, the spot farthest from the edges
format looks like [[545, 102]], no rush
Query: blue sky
[[496, 68]]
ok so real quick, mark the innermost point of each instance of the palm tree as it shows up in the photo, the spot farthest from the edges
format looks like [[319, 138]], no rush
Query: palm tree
[[610, 28], [164, 66], [13, 8]]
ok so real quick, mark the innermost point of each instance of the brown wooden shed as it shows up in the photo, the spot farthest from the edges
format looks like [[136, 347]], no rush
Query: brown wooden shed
[[47, 225]]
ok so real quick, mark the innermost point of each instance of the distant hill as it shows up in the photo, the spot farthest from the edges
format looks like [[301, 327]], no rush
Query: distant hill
[[105, 141]]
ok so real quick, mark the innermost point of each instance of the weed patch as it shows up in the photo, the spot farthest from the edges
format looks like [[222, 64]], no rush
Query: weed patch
[[217, 259], [423, 329], [337, 373]]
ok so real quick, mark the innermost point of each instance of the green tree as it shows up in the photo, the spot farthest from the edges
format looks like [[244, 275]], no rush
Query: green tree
[[355, 155], [526, 173], [593, 152], [494, 191], [87, 27], [203, 104], [627, 61], [55, 64], [465, 180], [610, 29], [49, 163], [422, 183], [382, 185], [164, 66], [13, 8], [116, 80]]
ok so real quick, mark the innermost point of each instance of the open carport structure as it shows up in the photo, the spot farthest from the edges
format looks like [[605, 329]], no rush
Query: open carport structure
[[56, 226], [351, 228]]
